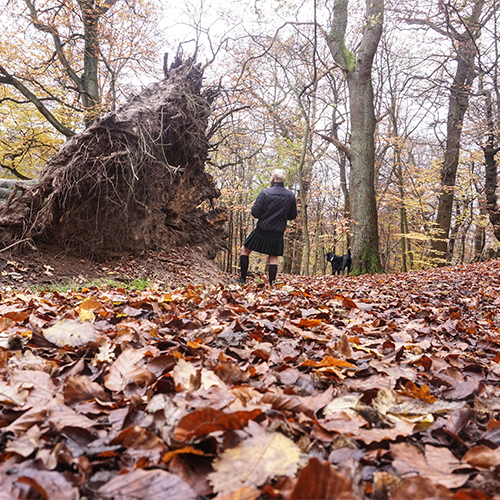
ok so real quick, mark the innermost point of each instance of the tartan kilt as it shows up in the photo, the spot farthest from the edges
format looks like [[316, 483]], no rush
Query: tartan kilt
[[267, 245]]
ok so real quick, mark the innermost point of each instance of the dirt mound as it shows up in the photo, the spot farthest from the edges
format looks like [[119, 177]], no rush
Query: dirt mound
[[48, 265]]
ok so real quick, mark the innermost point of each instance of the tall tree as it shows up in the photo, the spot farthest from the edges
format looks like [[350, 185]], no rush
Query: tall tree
[[357, 67], [71, 54], [462, 28]]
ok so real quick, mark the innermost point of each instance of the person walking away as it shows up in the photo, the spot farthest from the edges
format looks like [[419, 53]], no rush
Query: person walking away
[[273, 207]]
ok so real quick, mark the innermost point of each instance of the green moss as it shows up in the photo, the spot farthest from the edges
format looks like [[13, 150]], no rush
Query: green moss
[[348, 56], [369, 263]]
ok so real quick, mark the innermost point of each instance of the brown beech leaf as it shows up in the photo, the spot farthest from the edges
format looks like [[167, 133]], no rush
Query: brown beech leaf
[[61, 416], [30, 418], [81, 388], [421, 488], [308, 323], [464, 390], [308, 405], [39, 384], [126, 370], [26, 444], [318, 481], [25, 480], [347, 303], [146, 484], [138, 437], [393, 370], [254, 461], [201, 422], [482, 457], [188, 377], [13, 395], [437, 465], [139, 442], [401, 428]]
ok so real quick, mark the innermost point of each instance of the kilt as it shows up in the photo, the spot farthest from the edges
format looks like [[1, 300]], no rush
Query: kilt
[[268, 245]]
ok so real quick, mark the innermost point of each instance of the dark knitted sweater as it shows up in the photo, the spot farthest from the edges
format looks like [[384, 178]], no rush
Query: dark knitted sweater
[[274, 207]]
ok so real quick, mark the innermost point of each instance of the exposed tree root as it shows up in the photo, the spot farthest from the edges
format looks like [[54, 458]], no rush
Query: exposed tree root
[[131, 182]]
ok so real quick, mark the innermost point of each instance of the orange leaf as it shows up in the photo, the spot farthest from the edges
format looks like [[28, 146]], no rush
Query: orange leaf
[[187, 450], [422, 393], [328, 361], [309, 323], [346, 302]]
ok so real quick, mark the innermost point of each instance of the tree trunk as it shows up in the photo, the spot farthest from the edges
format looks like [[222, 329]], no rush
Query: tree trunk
[[458, 104], [303, 188], [358, 67], [491, 175], [90, 94]]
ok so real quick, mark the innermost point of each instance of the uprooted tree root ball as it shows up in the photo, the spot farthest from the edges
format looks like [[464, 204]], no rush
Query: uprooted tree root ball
[[131, 182]]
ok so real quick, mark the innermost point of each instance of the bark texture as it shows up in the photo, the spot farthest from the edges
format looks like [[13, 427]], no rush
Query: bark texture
[[465, 46], [490, 150], [358, 68], [133, 181]]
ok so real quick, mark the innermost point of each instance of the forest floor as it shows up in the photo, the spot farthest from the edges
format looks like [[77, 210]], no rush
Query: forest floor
[[48, 266], [382, 387]]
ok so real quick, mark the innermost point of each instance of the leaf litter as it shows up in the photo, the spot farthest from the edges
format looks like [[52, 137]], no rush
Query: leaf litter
[[373, 387]]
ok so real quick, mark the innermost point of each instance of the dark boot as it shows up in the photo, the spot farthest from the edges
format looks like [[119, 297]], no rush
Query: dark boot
[[273, 271], [243, 268]]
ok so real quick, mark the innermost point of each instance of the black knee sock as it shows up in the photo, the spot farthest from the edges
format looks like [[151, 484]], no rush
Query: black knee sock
[[273, 270], [243, 267]]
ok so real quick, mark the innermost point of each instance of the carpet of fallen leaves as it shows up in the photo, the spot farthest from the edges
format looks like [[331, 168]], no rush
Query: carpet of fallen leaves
[[372, 387]]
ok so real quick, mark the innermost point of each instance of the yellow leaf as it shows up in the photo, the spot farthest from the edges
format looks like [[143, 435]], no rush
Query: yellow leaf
[[86, 315]]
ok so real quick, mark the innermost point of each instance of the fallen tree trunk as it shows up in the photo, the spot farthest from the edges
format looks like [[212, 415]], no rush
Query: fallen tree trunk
[[131, 182]]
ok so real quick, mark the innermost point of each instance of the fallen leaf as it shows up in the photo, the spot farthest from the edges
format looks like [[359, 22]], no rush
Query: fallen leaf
[[437, 465], [146, 484], [201, 422], [254, 461], [70, 332], [482, 457], [126, 370], [421, 488], [186, 376], [318, 481]]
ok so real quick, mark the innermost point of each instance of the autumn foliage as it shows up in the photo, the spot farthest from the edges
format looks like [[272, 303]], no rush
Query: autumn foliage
[[320, 387]]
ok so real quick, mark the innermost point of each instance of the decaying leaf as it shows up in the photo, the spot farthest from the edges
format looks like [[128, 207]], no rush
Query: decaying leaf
[[127, 369], [318, 481], [70, 332], [146, 484], [9, 394], [438, 464], [188, 377], [201, 422], [254, 461]]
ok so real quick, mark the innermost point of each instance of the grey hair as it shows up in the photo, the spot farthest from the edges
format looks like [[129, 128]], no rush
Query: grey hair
[[279, 175]]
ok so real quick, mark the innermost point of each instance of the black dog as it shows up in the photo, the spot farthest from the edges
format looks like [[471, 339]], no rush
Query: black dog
[[340, 262]]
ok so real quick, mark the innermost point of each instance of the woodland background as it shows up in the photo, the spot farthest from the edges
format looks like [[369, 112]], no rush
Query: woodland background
[[282, 101]]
